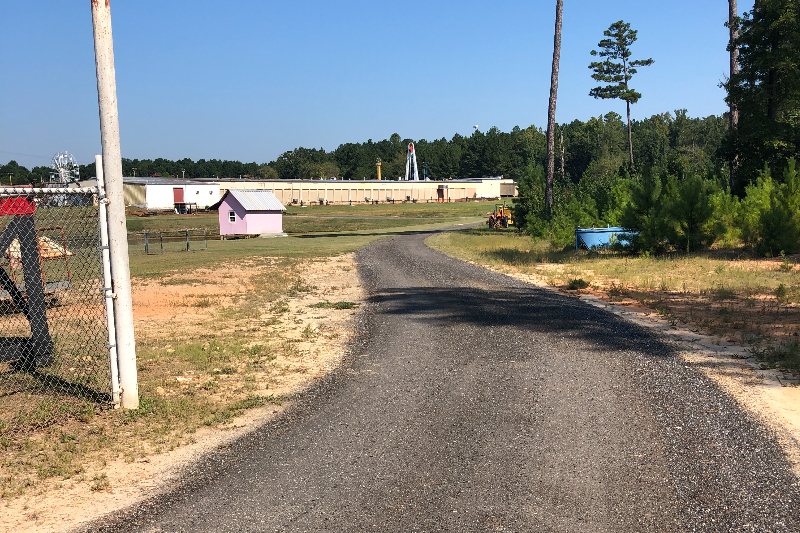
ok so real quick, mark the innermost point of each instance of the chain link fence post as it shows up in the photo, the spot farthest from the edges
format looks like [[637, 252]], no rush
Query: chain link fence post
[[108, 292]]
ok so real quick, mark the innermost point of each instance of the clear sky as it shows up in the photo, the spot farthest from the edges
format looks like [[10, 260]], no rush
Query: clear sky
[[249, 79]]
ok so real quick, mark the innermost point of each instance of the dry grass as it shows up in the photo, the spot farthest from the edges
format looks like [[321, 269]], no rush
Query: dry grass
[[724, 293], [235, 338]]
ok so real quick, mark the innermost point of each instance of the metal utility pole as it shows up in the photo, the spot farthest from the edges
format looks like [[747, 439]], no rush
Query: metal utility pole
[[117, 232]]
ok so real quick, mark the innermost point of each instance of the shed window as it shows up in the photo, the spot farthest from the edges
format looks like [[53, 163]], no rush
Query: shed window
[[231, 216]]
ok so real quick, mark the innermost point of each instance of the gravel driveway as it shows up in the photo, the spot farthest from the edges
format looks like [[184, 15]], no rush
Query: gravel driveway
[[473, 402]]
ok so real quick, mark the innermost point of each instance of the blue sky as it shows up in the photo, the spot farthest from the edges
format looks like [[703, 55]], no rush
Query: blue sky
[[248, 80]]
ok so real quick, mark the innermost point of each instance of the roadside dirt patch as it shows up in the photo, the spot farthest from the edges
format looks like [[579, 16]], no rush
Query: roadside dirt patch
[[290, 326]]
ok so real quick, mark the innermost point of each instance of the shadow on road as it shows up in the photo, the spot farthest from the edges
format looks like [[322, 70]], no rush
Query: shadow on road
[[530, 309]]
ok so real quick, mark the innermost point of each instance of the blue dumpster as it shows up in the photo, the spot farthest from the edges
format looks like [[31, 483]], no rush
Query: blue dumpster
[[596, 238]]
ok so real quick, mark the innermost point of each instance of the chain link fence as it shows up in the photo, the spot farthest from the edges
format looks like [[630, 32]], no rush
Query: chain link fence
[[158, 242], [54, 361]]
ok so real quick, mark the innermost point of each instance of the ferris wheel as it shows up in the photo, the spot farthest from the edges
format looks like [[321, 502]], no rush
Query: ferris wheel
[[63, 169]]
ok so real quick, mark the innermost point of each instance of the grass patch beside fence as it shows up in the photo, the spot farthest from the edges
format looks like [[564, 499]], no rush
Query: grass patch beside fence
[[755, 302], [230, 360]]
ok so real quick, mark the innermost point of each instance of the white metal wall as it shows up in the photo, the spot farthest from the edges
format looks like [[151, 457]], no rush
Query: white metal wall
[[339, 191], [201, 194], [159, 196]]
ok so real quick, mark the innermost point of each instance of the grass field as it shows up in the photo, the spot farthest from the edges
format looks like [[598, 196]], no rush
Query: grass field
[[332, 218], [407, 210], [310, 236], [750, 301], [304, 246]]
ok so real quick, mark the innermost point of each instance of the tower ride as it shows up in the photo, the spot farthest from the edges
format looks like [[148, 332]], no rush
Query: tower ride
[[411, 164]]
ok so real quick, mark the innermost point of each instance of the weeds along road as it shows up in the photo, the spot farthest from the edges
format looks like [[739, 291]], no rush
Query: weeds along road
[[478, 403]]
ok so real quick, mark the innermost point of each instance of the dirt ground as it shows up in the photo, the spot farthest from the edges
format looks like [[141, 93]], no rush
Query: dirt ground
[[753, 317], [162, 309]]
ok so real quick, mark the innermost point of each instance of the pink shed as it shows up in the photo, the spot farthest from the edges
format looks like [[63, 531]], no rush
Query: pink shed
[[243, 212]]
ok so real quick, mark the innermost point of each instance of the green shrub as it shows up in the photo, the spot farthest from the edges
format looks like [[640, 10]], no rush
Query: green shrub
[[724, 217], [646, 213], [689, 211], [779, 231], [577, 284]]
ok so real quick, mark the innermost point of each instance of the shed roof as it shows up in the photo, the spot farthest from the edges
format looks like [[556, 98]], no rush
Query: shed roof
[[256, 200]]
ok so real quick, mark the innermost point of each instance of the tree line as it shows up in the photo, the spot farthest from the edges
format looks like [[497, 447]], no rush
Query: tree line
[[595, 147], [685, 183]]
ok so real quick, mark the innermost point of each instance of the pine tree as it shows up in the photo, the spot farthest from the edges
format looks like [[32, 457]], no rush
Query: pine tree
[[616, 75], [733, 48], [766, 90], [551, 109]]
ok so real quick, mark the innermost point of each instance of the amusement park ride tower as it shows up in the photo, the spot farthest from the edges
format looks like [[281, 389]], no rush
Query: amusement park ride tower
[[411, 164], [63, 170]]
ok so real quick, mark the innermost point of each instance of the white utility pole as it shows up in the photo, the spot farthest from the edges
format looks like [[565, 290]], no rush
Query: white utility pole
[[117, 231]]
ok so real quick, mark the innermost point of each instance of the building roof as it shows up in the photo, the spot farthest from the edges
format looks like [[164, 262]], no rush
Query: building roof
[[256, 200], [161, 181], [387, 181]]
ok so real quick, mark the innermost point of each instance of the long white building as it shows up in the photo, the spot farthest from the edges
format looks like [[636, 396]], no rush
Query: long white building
[[159, 194], [361, 191]]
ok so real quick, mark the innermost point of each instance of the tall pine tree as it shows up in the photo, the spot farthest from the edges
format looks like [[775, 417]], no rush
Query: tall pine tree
[[616, 47], [766, 90]]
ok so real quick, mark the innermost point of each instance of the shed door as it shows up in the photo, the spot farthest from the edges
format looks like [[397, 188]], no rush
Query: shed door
[[177, 194]]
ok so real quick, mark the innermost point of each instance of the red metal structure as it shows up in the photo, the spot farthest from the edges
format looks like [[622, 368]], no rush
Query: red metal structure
[[38, 348]]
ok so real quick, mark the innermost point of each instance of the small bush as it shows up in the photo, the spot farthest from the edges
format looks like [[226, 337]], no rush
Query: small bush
[[724, 293], [615, 292], [779, 231], [299, 287], [786, 265], [577, 284], [333, 305], [785, 356], [279, 307], [203, 303], [100, 482], [781, 293]]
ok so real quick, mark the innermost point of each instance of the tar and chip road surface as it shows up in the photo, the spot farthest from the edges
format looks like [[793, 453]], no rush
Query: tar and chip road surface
[[474, 402]]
